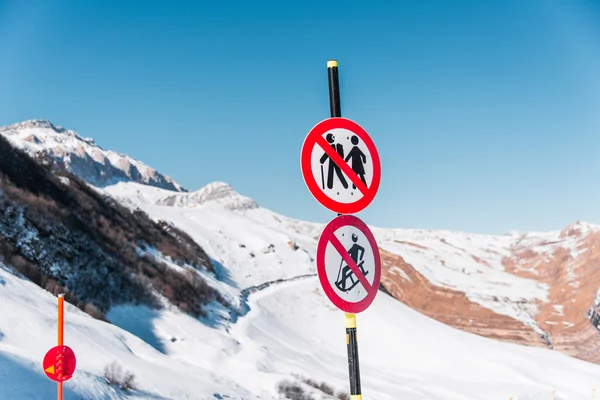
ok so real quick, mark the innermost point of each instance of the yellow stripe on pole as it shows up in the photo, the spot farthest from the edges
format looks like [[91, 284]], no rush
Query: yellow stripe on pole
[[332, 63], [350, 320], [356, 397]]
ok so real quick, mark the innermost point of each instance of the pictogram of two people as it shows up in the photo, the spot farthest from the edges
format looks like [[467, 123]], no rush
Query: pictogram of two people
[[357, 159]]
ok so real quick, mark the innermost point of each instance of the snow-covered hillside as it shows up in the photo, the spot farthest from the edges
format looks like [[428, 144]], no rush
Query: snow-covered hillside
[[277, 247], [468, 263], [291, 329], [281, 325], [82, 156], [254, 244]]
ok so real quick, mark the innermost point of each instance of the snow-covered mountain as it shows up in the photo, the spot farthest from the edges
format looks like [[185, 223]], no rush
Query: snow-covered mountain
[[507, 287], [281, 325], [82, 156], [219, 192], [63, 235]]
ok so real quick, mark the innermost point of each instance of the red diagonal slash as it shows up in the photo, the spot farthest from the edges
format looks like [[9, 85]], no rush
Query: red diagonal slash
[[339, 161], [339, 247]]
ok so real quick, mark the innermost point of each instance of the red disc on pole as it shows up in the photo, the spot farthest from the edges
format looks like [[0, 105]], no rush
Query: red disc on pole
[[340, 165], [59, 363], [349, 264]]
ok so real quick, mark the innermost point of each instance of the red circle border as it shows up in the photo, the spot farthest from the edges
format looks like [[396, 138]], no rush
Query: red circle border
[[329, 230], [313, 185]]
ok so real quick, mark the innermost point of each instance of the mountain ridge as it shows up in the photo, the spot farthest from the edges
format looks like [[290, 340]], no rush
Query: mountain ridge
[[64, 236], [82, 156], [188, 197]]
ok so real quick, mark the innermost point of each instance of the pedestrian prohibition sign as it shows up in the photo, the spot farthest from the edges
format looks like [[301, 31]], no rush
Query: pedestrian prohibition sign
[[349, 264], [349, 181], [59, 363]]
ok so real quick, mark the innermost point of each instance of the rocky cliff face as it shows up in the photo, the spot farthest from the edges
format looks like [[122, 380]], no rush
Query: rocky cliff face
[[573, 275], [82, 156], [450, 306], [565, 263]]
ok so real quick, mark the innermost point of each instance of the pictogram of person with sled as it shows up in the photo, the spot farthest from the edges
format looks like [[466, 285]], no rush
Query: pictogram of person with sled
[[345, 274]]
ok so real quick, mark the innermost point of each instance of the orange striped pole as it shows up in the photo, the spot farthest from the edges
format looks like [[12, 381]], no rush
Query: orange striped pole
[[61, 329]]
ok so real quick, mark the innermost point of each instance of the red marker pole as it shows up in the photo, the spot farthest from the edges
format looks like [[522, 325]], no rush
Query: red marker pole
[[335, 109], [61, 329]]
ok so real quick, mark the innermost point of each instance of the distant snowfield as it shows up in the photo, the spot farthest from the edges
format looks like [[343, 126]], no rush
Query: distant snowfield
[[290, 328]]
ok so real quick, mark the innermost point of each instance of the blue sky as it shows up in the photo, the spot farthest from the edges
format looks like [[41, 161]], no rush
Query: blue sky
[[486, 114]]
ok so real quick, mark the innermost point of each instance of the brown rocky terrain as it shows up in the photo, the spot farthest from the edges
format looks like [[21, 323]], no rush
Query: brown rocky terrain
[[567, 264], [573, 282], [451, 306]]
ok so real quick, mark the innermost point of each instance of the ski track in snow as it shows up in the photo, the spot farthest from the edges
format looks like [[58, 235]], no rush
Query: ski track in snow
[[249, 349], [256, 290]]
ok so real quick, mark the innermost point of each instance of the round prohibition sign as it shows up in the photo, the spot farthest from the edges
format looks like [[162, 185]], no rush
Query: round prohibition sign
[[330, 186], [350, 277]]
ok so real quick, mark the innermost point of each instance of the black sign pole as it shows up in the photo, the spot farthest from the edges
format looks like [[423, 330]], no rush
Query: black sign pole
[[351, 341]]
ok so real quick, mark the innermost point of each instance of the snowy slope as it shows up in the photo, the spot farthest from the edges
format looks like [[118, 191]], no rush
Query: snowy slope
[[28, 330], [403, 354], [290, 329], [82, 156], [468, 263], [254, 244], [220, 231]]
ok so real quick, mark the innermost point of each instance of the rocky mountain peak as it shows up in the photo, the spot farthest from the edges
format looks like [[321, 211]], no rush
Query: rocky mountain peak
[[578, 228], [82, 156]]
